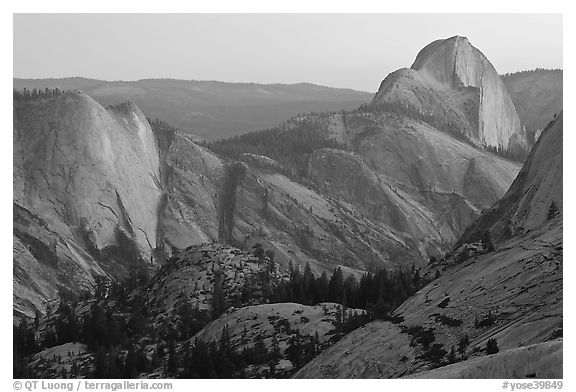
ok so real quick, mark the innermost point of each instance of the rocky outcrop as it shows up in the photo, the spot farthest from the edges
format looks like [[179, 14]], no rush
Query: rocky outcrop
[[542, 361], [191, 177], [401, 193], [376, 350], [454, 85], [417, 157], [302, 224], [513, 293], [96, 189], [536, 191], [92, 169], [422, 215], [63, 361], [47, 260], [192, 274], [277, 325], [410, 176]]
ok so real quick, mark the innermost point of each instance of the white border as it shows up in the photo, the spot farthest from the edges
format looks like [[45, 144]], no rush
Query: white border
[[336, 6]]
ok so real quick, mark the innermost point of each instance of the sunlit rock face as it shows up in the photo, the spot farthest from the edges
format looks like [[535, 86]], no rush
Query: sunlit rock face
[[88, 167], [528, 203], [454, 82], [96, 189]]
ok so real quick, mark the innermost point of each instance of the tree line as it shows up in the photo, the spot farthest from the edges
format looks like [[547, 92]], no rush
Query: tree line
[[26, 94], [291, 146], [379, 292]]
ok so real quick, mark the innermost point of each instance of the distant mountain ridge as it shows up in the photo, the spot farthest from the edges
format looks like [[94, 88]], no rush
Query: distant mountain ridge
[[537, 95], [211, 109]]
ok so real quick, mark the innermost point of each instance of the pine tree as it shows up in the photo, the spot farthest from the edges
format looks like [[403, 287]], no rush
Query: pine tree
[[275, 348], [218, 299], [172, 361], [271, 267], [336, 286], [463, 343], [492, 347], [487, 243], [260, 351], [265, 203], [452, 355], [553, 210], [258, 252], [308, 282]]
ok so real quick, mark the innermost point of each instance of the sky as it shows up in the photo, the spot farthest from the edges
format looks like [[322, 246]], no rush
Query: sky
[[337, 50]]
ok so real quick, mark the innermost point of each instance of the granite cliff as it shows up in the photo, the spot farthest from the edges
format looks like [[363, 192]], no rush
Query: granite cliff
[[96, 190], [454, 83]]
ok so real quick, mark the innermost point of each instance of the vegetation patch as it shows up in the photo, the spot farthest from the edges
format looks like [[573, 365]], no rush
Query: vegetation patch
[[446, 320]]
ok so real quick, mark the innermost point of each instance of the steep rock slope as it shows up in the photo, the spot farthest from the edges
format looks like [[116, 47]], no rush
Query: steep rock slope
[[455, 83], [537, 96], [68, 360], [527, 203], [88, 167], [416, 181], [389, 192], [190, 179], [542, 360], [512, 294], [420, 184], [516, 291], [97, 189], [46, 259], [424, 217], [192, 274], [302, 224], [418, 157], [277, 325], [376, 350]]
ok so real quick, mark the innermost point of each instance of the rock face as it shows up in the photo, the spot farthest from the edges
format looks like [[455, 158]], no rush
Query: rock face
[[419, 183], [542, 360], [191, 275], [518, 287], [302, 224], [46, 258], [90, 168], [190, 177], [278, 324], [453, 82], [529, 200], [376, 350], [95, 189], [64, 361], [512, 293]]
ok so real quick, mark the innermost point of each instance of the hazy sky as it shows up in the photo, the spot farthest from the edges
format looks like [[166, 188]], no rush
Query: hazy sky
[[340, 50]]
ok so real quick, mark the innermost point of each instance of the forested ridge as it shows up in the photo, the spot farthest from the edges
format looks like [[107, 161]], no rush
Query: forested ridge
[[290, 145], [117, 328]]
